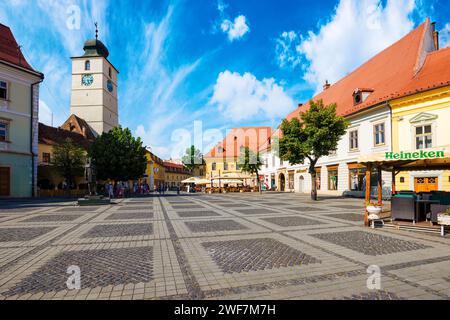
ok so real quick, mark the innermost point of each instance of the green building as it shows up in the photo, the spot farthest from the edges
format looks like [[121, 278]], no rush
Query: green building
[[19, 108]]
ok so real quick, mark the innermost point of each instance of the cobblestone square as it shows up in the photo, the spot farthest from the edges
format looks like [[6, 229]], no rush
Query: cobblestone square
[[228, 246]]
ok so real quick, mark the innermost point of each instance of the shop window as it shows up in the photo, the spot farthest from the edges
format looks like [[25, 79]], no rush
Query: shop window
[[3, 131], [3, 90], [291, 181], [333, 178], [424, 137], [379, 134], [353, 140], [318, 179], [46, 157], [357, 178]]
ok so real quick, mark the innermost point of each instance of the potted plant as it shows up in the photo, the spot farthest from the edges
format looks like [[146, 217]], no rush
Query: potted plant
[[374, 209], [444, 218]]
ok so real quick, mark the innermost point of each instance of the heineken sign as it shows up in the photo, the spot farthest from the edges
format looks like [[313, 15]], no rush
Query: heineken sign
[[414, 155]]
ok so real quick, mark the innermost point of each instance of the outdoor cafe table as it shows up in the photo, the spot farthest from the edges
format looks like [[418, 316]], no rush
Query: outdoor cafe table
[[425, 203]]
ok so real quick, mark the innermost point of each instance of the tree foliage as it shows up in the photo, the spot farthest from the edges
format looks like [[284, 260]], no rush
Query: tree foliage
[[313, 135], [118, 156], [69, 159], [250, 162], [193, 158]]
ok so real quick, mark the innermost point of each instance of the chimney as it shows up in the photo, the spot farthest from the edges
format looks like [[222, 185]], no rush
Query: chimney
[[326, 85], [435, 35], [436, 39]]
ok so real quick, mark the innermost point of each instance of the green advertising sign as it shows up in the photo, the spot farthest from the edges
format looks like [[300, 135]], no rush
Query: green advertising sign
[[414, 155]]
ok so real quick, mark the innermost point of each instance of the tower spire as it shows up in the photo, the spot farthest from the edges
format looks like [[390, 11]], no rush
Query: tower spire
[[96, 30]]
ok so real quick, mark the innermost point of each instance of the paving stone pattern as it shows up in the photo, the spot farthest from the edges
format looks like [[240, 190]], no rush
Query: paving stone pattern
[[221, 246], [119, 230], [214, 226], [369, 243], [255, 254], [98, 268]]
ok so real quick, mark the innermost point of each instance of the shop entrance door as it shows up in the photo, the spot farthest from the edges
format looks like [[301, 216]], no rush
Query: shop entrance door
[[5, 181], [426, 184]]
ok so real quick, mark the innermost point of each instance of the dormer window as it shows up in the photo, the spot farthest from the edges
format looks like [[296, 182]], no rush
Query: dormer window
[[87, 65], [360, 95]]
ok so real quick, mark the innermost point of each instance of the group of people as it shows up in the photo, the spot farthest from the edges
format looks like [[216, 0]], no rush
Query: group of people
[[123, 189]]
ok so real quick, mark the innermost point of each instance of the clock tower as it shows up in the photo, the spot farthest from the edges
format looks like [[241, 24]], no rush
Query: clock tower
[[94, 87]]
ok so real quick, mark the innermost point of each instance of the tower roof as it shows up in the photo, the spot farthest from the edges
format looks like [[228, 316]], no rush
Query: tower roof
[[95, 48]]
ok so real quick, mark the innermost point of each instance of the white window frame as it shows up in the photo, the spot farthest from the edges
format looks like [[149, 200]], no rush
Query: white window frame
[[7, 90], [375, 134], [433, 136], [350, 139], [7, 128]]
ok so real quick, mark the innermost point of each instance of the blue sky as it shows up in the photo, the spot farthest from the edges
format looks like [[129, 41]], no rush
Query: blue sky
[[225, 63]]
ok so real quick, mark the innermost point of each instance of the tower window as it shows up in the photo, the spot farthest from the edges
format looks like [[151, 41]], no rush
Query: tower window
[[87, 65], [110, 72]]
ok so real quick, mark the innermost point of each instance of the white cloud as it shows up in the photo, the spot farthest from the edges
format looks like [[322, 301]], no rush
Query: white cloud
[[287, 50], [358, 30], [235, 30], [241, 97], [445, 36], [45, 113]]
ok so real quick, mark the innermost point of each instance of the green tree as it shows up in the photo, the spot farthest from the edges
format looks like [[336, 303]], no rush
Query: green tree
[[193, 158], [312, 136], [69, 160], [118, 156], [250, 162]]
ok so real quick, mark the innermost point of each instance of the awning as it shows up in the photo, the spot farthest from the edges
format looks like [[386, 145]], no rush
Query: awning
[[425, 159], [232, 176]]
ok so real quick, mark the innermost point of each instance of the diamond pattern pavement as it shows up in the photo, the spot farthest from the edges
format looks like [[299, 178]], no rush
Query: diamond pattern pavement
[[221, 246]]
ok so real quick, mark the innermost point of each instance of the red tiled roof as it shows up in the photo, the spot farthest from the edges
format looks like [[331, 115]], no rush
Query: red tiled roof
[[175, 167], [10, 51], [78, 125], [252, 137], [387, 74], [54, 136], [435, 73]]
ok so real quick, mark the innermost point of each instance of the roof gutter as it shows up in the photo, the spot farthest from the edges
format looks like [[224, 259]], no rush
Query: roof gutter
[[33, 155]]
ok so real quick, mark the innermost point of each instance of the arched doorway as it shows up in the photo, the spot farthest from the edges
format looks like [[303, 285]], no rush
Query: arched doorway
[[282, 180], [301, 184]]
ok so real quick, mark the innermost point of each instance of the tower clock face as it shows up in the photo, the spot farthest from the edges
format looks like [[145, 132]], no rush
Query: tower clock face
[[109, 85], [87, 80]]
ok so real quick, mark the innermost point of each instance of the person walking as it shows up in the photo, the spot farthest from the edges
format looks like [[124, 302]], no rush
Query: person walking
[[110, 189]]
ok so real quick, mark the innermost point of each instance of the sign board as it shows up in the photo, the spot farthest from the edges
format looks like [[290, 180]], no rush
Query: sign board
[[414, 155]]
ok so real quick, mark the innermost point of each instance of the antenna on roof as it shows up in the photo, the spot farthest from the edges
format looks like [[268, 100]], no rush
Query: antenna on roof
[[96, 30], [19, 47]]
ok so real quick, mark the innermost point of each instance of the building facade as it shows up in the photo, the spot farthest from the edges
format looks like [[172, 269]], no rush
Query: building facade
[[222, 161], [174, 173], [19, 109], [420, 122], [75, 130], [155, 171], [365, 98], [94, 88]]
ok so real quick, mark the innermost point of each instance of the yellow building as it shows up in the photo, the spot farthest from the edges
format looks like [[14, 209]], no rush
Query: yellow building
[[175, 173], [78, 132], [222, 161], [420, 122], [155, 172]]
